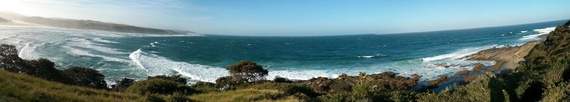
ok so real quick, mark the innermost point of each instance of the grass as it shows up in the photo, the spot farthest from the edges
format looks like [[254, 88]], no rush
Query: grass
[[24, 88], [245, 95]]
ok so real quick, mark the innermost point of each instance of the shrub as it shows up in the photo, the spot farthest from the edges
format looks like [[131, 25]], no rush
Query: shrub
[[177, 98], [175, 78], [159, 86], [86, 77], [282, 80], [248, 70], [205, 87], [45, 69], [287, 88], [123, 84], [230, 82], [361, 90]]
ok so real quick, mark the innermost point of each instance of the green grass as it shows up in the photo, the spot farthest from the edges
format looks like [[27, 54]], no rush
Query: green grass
[[24, 88], [246, 95]]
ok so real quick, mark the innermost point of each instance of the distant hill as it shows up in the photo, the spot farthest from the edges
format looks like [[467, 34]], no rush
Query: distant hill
[[88, 24]]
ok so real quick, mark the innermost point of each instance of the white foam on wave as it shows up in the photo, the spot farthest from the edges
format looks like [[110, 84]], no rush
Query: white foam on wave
[[539, 32], [365, 56], [371, 56], [459, 54], [27, 51], [304, 74], [157, 65], [162, 35], [100, 40], [85, 53], [90, 44]]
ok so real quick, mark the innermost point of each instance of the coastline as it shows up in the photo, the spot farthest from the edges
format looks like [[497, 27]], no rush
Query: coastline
[[476, 84], [505, 57]]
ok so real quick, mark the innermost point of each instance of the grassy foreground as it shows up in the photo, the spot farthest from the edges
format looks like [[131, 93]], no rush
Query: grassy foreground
[[25, 88], [21, 87]]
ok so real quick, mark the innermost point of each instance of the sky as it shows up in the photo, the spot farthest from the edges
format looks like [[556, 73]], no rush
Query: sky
[[300, 17]]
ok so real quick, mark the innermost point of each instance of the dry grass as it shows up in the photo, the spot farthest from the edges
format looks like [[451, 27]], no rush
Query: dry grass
[[21, 87], [244, 95]]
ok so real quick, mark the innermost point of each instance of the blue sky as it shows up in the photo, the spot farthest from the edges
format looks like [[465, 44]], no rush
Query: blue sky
[[300, 17]]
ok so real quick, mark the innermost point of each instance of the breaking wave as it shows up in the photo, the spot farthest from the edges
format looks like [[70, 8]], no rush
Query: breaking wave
[[157, 65], [539, 33]]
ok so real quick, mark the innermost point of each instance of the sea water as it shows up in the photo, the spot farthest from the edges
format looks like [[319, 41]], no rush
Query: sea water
[[204, 57]]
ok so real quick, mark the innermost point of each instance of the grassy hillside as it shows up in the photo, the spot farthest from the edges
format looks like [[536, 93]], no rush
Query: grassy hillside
[[24, 88]]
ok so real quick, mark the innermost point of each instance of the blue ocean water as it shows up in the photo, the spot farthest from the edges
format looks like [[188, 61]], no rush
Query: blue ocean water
[[204, 57]]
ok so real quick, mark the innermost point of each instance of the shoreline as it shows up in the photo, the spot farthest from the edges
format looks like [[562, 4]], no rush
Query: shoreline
[[504, 57]]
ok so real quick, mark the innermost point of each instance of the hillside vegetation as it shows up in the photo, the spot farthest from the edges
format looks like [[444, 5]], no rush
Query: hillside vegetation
[[544, 75]]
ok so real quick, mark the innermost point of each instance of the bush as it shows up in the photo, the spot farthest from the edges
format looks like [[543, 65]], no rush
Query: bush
[[177, 98], [159, 86], [45, 69], [287, 88], [248, 70], [123, 84], [230, 82], [282, 80], [205, 87], [86, 77], [175, 78]]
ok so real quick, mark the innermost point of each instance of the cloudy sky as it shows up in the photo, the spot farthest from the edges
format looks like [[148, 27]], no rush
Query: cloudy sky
[[299, 17]]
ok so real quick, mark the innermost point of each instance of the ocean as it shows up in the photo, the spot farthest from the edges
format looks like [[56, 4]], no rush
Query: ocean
[[203, 57]]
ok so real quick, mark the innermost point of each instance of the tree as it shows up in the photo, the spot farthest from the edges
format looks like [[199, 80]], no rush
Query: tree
[[248, 70]]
